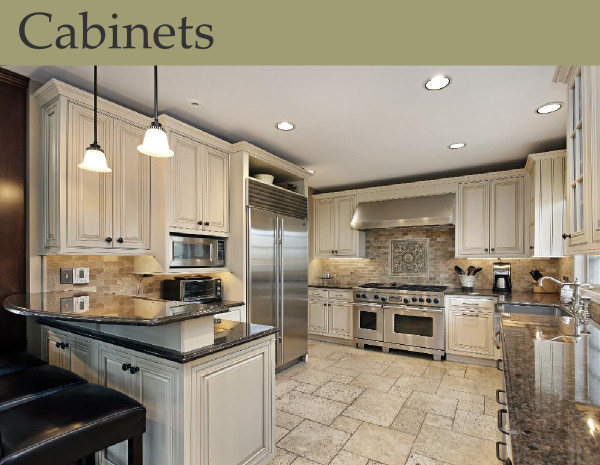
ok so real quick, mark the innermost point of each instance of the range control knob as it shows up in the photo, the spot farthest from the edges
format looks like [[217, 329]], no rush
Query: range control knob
[[436, 301], [358, 295], [414, 299], [406, 300], [376, 297], [421, 299], [364, 296], [428, 300], [383, 299]]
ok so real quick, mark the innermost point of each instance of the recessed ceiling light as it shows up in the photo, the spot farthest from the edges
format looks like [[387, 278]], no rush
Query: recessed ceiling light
[[457, 145], [549, 107], [285, 126], [437, 82], [311, 172]]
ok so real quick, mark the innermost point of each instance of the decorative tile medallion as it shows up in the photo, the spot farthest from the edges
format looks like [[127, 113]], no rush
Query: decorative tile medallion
[[409, 257]]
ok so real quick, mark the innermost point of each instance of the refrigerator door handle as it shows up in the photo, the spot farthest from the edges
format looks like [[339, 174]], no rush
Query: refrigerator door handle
[[281, 279]]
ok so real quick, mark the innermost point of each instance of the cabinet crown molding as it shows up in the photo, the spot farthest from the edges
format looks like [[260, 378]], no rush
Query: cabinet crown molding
[[267, 157], [564, 73], [190, 131], [533, 157]]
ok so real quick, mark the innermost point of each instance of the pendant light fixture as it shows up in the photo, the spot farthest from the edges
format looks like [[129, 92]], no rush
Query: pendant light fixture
[[156, 142], [94, 158]]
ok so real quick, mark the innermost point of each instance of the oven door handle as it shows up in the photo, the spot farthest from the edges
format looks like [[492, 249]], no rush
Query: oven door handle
[[414, 310]]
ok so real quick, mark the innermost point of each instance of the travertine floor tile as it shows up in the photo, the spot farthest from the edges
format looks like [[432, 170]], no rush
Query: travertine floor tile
[[432, 403], [347, 424], [280, 433], [417, 383], [315, 377], [470, 406], [416, 459], [438, 421], [284, 386], [348, 458], [454, 448], [484, 373], [287, 420], [475, 424], [409, 420], [311, 407], [362, 365], [314, 441], [306, 388], [434, 371], [316, 363], [376, 407], [480, 386], [341, 392], [378, 383], [283, 457], [381, 444], [304, 461], [460, 395], [396, 370]]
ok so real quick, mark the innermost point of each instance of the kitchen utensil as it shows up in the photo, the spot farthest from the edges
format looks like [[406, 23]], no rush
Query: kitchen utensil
[[470, 270], [266, 178], [459, 270], [477, 270], [467, 281]]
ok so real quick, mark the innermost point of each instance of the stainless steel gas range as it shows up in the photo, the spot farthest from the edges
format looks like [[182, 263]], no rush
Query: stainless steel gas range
[[400, 316]]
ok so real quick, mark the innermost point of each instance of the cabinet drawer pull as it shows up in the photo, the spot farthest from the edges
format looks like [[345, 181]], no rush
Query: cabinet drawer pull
[[506, 460], [126, 366], [473, 314], [500, 422], [498, 362], [497, 340], [498, 391]]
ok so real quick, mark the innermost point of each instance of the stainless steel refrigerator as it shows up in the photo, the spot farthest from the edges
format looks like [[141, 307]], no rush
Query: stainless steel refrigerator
[[278, 278]]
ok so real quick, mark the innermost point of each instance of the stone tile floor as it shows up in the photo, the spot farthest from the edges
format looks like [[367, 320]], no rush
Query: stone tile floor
[[348, 406]]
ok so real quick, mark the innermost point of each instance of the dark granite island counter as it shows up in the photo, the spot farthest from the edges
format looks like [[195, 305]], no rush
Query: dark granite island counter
[[553, 390], [208, 384]]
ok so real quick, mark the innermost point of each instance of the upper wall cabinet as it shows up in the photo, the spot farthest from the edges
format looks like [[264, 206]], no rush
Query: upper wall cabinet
[[582, 185], [333, 236], [199, 186], [490, 218], [547, 203], [86, 212]]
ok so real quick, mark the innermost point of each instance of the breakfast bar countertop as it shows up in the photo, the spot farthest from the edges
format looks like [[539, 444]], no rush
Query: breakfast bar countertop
[[111, 308], [553, 390]]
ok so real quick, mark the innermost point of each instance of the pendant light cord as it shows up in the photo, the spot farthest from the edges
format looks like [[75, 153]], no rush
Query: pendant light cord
[[155, 94], [95, 105]]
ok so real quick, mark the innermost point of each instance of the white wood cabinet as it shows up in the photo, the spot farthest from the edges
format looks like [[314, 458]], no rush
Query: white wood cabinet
[[470, 327], [333, 235], [547, 203], [491, 218], [234, 314], [330, 313], [87, 212], [199, 187], [70, 352]]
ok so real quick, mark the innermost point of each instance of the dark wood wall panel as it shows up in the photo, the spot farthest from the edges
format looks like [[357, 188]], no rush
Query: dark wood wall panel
[[13, 234]]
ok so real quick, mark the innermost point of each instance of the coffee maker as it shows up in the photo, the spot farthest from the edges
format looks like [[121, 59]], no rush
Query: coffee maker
[[501, 277]]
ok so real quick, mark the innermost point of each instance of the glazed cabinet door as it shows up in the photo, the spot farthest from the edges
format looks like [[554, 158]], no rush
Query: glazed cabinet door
[[595, 156], [473, 227], [324, 228], [471, 332], [155, 386], [317, 316], [89, 194], [217, 399], [347, 240], [216, 191], [506, 217], [340, 319], [131, 179], [114, 373], [186, 176], [80, 357], [52, 350]]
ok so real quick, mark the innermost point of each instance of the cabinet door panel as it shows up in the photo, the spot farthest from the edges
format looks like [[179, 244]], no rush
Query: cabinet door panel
[[474, 219], [89, 195], [216, 191], [54, 354], [156, 390], [131, 189], [50, 124], [317, 316], [324, 227], [506, 222], [340, 319], [81, 358], [471, 332], [346, 236], [185, 186]]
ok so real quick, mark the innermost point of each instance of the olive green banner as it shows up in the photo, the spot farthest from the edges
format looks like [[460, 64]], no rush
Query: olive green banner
[[263, 32]]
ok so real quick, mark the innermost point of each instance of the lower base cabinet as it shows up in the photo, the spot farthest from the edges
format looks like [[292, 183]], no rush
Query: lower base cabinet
[[219, 409], [470, 327], [330, 313]]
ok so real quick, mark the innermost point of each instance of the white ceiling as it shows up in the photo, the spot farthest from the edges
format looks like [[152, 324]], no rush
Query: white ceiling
[[356, 125]]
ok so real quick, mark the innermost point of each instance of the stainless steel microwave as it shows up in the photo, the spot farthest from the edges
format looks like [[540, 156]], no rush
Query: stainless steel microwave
[[196, 252]]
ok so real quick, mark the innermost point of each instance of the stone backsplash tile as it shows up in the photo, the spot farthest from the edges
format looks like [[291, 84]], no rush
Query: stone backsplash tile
[[376, 265]]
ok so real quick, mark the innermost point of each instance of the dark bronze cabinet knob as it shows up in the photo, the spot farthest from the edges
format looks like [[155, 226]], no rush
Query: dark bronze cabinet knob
[[485, 250], [565, 236], [120, 240], [206, 223], [108, 239], [58, 344], [134, 370], [126, 366], [493, 250], [200, 223]]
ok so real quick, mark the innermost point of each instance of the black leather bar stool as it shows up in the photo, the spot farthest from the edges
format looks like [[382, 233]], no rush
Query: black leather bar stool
[[32, 383], [14, 361], [70, 426]]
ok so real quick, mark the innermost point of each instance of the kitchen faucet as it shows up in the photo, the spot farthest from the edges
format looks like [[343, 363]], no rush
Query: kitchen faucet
[[579, 305]]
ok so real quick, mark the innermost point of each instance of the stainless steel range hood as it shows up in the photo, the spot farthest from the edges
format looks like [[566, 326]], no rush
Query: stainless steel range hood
[[430, 210]]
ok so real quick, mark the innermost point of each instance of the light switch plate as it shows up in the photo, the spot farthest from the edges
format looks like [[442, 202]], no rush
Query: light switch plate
[[81, 275], [66, 275]]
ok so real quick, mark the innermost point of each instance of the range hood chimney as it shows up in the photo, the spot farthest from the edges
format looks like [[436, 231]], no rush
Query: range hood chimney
[[430, 210]]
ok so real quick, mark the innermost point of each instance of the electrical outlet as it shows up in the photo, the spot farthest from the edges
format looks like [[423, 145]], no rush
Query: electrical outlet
[[66, 275], [81, 275]]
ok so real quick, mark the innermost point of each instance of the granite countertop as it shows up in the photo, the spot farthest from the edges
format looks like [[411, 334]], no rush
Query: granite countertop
[[515, 297], [228, 334], [111, 308], [333, 284], [553, 390]]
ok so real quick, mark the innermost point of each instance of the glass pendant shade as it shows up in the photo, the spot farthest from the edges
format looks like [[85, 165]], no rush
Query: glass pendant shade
[[94, 160], [156, 142]]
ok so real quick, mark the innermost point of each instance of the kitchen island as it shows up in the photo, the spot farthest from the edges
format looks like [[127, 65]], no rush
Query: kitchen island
[[207, 383]]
